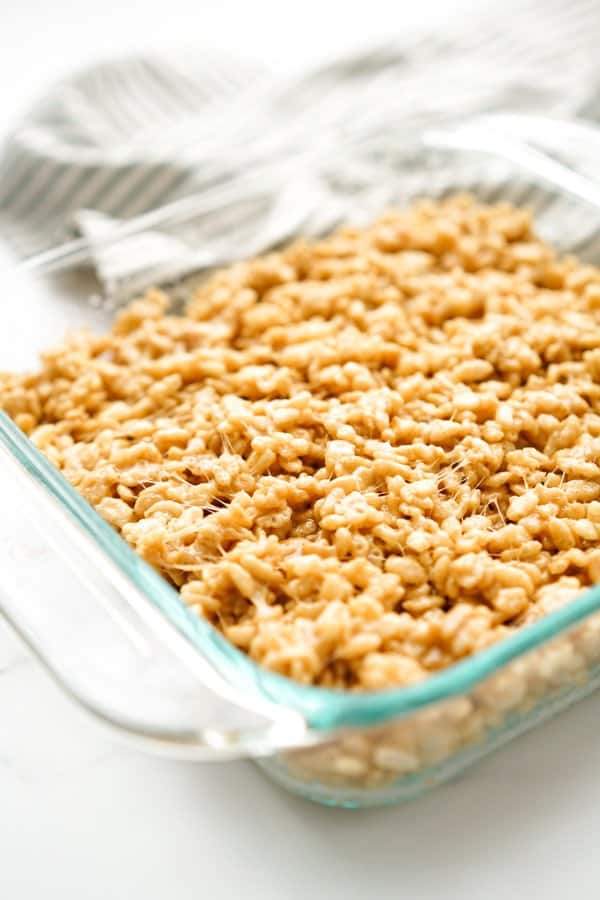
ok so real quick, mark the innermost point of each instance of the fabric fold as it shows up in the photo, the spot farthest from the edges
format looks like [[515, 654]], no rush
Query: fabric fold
[[125, 137]]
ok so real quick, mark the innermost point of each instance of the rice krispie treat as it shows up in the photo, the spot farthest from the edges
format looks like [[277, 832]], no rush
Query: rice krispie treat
[[361, 459]]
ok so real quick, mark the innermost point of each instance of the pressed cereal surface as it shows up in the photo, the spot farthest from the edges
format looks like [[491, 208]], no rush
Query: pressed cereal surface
[[362, 459]]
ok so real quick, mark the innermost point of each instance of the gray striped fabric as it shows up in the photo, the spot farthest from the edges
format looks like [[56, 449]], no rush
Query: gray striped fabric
[[125, 137]]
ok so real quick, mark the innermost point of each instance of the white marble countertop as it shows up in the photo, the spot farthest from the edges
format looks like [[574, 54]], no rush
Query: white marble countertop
[[85, 818]]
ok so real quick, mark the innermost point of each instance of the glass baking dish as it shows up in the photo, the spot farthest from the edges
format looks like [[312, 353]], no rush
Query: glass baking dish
[[116, 635]]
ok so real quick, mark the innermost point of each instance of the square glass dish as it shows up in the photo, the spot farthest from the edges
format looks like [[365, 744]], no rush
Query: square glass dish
[[123, 645]]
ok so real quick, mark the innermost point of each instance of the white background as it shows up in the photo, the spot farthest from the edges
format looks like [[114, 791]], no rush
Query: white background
[[82, 818]]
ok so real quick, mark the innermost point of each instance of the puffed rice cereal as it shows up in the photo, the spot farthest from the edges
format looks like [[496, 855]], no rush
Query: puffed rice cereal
[[362, 459]]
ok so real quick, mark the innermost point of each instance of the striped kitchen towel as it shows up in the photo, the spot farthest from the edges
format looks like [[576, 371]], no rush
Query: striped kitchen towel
[[125, 137]]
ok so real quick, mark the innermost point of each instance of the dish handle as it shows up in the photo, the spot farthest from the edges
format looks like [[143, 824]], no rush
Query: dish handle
[[110, 649]]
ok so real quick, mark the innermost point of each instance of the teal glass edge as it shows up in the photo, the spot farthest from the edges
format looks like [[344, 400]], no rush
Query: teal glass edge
[[323, 709]]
